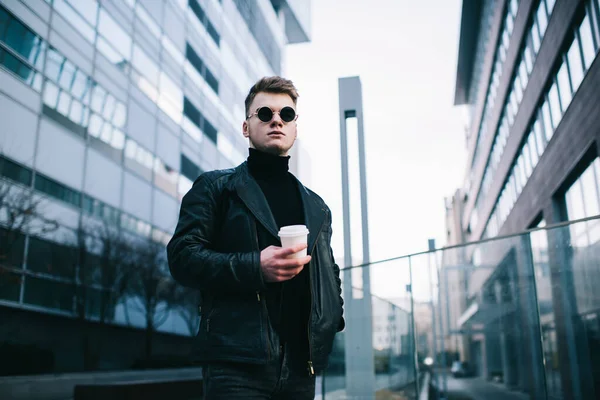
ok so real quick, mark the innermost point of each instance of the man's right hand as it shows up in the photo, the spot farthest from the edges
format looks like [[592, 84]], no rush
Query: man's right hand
[[275, 265]]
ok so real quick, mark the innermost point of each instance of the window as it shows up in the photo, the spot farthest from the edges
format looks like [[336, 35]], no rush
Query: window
[[212, 31], [170, 47], [99, 209], [81, 14], [203, 18], [210, 131], [170, 98], [183, 186], [535, 38], [514, 7], [528, 58], [196, 117], [108, 107], [145, 65], [191, 111], [14, 171], [21, 70], [147, 20], [135, 225], [527, 164], [518, 89], [115, 43], [548, 130], [564, 86], [49, 294], [137, 153], [575, 65], [518, 182], [12, 246], [212, 81], [521, 169], [57, 190], [23, 41], [70, 92], [539, 135], [587, 42], [193, 58], [11, 286], [165, 177], [523, 74], [202, 69], [582, 200], [582, 197], [189, 169], [535, 154], [554, 106], [542, 18], [25, 50], [51, 258]]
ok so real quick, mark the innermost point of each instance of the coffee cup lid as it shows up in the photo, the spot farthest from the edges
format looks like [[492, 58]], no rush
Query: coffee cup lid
[[293, 230]]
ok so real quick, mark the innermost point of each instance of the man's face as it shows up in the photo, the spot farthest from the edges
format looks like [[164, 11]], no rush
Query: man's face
[[275, 136]]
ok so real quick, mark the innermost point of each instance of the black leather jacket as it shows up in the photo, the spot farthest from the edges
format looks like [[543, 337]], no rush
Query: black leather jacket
[[215, 249]]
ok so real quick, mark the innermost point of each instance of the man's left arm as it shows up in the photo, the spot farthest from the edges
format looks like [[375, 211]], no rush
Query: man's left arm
[[336, 272]]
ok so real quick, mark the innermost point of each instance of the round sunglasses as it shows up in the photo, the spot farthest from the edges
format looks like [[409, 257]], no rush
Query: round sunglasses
[[265, 114]]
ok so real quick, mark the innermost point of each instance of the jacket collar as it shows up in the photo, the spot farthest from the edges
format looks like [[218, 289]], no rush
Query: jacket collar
[[252, 196]]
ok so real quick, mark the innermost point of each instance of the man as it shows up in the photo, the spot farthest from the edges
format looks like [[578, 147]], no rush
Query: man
[[268, 320]]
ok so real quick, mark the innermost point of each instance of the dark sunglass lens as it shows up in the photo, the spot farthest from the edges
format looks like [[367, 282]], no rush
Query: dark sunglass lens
[[287, 114], [265, 114]]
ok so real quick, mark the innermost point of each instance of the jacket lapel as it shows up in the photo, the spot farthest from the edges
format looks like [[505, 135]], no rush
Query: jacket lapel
[[253, 197]]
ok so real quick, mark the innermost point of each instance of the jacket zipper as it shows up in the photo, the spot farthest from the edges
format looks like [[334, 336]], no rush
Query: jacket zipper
[[311, 370], [259, 302]]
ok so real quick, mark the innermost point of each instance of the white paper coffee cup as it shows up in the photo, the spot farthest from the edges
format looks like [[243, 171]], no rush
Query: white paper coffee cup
[[293, 235]]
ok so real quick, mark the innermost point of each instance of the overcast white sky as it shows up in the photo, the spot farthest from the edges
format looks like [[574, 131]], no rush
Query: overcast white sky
[[405, 53]]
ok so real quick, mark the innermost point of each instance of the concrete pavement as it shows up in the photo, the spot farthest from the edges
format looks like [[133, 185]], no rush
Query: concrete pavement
[[476, 389]]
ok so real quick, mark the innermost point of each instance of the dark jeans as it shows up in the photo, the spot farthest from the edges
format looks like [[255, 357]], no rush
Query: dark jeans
[[274, 381]]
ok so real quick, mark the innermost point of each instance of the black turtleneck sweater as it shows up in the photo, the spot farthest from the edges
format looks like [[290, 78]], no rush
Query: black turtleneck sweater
[[287, 302], [278, 185]]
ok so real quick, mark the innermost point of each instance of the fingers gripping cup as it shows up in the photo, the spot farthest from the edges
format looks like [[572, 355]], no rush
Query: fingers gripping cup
[[293, 235]]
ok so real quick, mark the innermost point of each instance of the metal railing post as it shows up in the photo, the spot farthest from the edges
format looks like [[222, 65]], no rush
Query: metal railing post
[[413, 328]]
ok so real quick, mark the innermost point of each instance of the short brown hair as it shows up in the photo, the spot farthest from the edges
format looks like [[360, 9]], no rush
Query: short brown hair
[[271, 84]]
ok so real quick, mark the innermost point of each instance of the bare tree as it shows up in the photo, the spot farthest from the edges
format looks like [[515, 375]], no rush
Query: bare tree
[[151, 284], [102, 259], [21, 213], [101, 279], [186, 303]]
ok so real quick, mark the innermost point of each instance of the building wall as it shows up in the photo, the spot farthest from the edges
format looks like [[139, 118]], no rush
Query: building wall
[[111, 109], [558, 32], [538, 165]]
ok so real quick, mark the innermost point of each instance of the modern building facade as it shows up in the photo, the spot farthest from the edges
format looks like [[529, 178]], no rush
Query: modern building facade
[[109, 111], [529, 77]]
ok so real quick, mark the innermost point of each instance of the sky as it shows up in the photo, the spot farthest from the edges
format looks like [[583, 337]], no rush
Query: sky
[[405, 53]]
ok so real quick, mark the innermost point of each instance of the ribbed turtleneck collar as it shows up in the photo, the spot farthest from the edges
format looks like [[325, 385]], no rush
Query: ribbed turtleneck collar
[[265, 165]]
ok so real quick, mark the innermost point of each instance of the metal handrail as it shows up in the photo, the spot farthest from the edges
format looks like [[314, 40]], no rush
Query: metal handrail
[[478, 242]]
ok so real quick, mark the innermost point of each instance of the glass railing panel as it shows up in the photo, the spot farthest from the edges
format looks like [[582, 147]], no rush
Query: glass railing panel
[[567, 272], [374, 355], [485, 321]]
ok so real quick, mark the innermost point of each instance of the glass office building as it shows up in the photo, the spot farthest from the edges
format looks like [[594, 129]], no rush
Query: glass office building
[[529, 75], [109, 111]]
